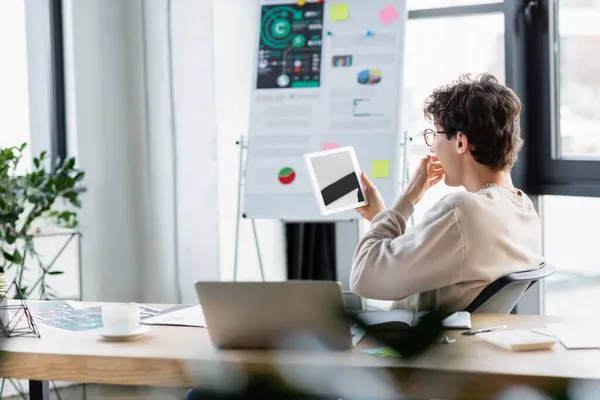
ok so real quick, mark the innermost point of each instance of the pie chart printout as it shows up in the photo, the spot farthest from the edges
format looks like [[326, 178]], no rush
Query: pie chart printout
[[287, 175], [369, 77]]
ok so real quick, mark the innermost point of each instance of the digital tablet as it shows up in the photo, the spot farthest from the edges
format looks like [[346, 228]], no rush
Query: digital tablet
[[335, 179]]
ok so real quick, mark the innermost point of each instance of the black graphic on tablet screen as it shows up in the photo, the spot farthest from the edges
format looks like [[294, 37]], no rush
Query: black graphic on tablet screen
[[337, 180], [342, 187]]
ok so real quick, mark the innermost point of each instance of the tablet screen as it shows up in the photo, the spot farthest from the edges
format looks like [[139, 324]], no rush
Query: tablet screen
[[335, 178]]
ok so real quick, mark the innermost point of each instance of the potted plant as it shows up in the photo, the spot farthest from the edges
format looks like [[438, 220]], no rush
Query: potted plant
[[44, 195]]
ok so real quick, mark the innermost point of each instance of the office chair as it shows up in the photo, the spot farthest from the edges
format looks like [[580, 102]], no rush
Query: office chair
[[502, 295]]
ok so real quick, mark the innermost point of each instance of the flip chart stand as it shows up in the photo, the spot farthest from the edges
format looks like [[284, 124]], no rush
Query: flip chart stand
[[405, 173], [241, 180]]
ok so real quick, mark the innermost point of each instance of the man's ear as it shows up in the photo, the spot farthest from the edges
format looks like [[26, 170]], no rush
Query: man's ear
[[462, 143]]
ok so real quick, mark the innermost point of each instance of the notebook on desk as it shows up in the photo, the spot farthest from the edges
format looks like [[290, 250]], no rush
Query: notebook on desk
[[397, 320]]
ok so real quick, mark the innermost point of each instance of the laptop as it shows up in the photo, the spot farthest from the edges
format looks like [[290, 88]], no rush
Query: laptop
[[275, 315]]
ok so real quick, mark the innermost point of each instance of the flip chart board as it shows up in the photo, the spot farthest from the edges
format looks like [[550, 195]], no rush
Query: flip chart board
[[326, 75]]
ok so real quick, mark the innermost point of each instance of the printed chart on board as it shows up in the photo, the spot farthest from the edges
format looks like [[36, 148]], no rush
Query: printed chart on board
[[326, 74]]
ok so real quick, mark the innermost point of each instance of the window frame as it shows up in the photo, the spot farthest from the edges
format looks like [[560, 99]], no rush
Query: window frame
[[46, 77], [59, 132], [548, 173]]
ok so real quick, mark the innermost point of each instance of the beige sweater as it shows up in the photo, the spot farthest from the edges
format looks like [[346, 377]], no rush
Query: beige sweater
[[465, 242]]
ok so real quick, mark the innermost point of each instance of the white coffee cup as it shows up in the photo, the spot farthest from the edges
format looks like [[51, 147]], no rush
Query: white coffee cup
[[120, 319]]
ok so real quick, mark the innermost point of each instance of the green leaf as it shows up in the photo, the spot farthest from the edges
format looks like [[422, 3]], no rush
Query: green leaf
[[66, 215], [70, 163], [10, 238], [79, 176], [11, 217], [8, 256], [63, 182], [56, 272], [36, 162], [17, 258], [73, 198]]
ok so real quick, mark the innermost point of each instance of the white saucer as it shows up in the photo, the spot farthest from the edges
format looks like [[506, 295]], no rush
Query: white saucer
[[141, 331]]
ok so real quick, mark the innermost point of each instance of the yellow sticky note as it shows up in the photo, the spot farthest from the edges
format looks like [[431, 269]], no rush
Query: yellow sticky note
[[339, 12], [380, 169]]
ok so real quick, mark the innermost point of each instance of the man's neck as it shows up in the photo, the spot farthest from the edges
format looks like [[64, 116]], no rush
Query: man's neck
[[485, 176]]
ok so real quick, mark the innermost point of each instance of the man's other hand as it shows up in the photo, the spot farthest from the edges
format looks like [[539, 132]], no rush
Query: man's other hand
[[374, 199], [428, 173]]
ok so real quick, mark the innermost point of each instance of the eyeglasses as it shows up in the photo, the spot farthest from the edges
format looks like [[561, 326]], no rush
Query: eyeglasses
[[429, 135]]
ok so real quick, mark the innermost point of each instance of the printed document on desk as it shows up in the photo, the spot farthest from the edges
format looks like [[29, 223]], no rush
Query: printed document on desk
[[187, 316], [579, 336]]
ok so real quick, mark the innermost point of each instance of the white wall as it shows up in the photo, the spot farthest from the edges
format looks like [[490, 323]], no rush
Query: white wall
[[184, 164], [109, 116], [235, 32], [151, 203], [198, 239]]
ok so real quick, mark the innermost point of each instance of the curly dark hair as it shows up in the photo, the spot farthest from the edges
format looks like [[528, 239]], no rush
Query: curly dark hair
[[486, 111]]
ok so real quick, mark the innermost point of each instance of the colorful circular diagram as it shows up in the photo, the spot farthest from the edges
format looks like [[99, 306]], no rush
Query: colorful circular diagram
[[287, 175], [276, 27], [299, 41], [281, 28], [369, 77], [283, 80]]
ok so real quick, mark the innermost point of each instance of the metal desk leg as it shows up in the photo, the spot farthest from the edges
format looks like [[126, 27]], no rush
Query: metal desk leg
[[39, 390]]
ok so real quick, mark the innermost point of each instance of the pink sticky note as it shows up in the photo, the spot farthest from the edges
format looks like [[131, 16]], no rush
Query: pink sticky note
[[329, 146], [388, 14]]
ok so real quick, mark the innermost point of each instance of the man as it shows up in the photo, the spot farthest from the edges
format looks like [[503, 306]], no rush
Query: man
[[469, 238]]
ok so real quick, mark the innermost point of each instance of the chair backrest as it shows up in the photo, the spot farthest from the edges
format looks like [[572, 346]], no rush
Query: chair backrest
[[502, 295]]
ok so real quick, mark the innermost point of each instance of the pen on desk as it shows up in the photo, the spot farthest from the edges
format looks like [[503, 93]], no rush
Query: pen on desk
[[490, 329]]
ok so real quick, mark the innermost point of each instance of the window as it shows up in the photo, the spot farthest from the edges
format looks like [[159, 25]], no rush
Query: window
[[579, 78], [566, 167], [427, 4], [562, 90], [570, 243], [14, 91], [437, 53]]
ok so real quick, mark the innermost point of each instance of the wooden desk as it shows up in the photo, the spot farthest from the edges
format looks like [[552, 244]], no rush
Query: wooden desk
[[184, 357]]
